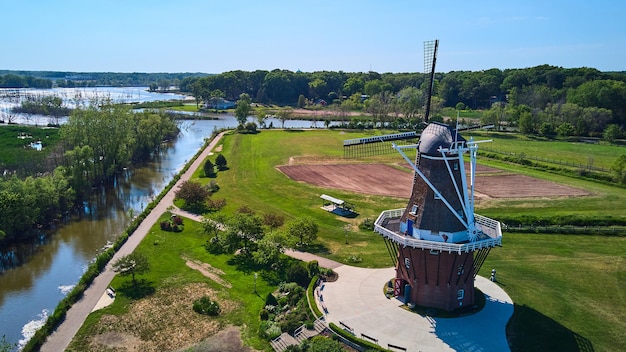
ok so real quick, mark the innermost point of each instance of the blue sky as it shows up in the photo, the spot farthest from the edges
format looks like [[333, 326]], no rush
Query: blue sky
[[352, 36]]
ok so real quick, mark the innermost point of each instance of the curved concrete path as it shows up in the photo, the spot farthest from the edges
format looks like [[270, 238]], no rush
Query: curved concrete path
[[357, 300], [76, 315]]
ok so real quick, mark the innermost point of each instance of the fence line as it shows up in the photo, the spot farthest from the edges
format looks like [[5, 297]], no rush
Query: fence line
[[546, 160], [601, 230]]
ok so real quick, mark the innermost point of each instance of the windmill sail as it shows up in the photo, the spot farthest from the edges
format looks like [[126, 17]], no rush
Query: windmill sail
[[363, 147]]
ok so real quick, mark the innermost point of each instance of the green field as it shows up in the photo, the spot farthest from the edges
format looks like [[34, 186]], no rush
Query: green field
[[600, 155], [253, 180], [568, 286], [14, 151]]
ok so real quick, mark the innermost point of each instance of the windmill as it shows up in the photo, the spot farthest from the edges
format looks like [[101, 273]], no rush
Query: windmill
[[437, 242]]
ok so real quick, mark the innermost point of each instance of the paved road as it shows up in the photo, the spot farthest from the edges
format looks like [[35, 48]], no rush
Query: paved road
[[77, 314]]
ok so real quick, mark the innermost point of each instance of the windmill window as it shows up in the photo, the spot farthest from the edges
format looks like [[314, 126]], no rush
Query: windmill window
[[414, 209], [455, 166], [407, 263], [460, 270], [460, 294]]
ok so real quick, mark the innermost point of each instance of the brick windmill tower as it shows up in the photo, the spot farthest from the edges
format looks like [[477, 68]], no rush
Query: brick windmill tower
[[438, 243]]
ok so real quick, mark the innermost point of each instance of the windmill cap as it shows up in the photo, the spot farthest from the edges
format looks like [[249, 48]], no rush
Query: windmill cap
[[437, 135]]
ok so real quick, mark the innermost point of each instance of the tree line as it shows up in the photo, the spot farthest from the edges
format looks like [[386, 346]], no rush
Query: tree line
[[48, 79], [97, 143], [587, 99]]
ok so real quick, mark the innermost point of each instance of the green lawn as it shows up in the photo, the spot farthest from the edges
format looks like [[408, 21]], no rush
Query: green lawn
[[568, 290], [253, 180], [166, 252], [598, 155]]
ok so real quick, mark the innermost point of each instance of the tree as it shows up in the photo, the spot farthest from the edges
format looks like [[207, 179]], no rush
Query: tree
[[242, 231], [243, 108], [193, 193], [301, 101], [526, 123], [619, 169], [270, 247], [283, 115], [273, 221], [220, 162], [302, 230], [209, 168], [611, 133], [261, 115], [565, 129], [132, 264]]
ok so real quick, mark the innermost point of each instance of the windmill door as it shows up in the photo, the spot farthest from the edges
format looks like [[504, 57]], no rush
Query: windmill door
[[398, 286], [409, 227]]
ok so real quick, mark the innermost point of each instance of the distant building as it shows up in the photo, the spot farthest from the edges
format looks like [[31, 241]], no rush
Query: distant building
[[219, 104]]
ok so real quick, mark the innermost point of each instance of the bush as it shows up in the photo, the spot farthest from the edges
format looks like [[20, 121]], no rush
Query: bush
[[220, 162], [313, 268], [264, 314], [206, 306], [209, 168], [367, 224], [297, 273]]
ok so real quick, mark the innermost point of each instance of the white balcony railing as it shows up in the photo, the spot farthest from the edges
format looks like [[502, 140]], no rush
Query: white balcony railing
[[488, 226]]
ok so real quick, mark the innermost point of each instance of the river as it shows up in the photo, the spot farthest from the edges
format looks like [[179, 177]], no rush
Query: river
[[32, 290]]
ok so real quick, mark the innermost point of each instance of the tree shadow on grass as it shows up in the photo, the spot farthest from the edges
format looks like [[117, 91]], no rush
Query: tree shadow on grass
[[316, 248], [529, 330], [244, 263], [139, 289]]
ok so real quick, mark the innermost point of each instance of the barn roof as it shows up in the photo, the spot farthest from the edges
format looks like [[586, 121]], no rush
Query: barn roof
[[437, 135]]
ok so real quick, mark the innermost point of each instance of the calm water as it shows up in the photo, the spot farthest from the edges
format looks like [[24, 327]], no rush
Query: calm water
[[28, 293]]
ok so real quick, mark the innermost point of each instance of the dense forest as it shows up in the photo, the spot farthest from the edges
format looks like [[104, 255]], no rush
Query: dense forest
[[543, 99]]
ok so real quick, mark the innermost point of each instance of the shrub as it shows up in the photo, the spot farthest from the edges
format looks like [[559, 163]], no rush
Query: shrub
[[313, 268], [354, 258], [220, 162], [204, 305], [297, 273], [216, 204], [209, 168]]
